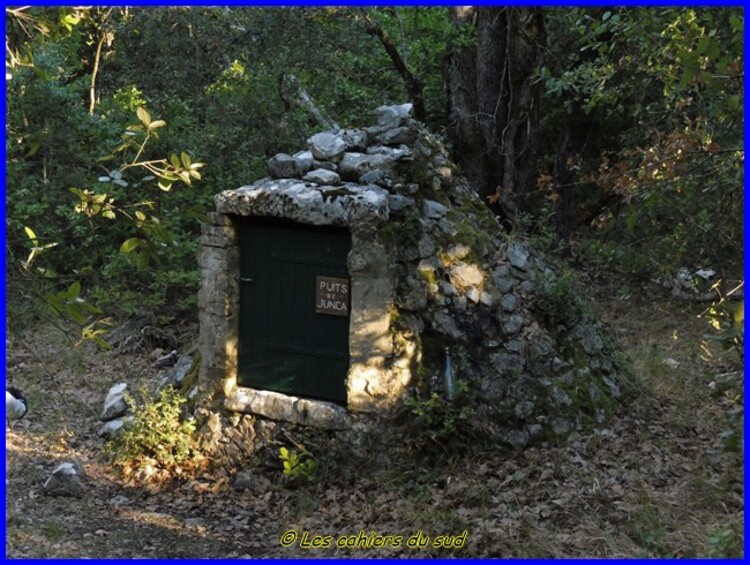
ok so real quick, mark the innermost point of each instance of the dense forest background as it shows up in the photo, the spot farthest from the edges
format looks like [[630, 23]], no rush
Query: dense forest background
[[122, 123]]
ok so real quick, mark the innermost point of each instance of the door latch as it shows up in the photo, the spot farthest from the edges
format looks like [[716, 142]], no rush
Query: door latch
[[247, 279]]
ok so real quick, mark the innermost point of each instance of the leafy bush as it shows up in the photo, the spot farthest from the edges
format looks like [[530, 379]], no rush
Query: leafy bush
[[559, 298], [157, 436], [434, 427]]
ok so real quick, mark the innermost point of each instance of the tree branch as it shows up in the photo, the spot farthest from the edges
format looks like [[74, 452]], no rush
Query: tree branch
[[413, 85], [302, 98]]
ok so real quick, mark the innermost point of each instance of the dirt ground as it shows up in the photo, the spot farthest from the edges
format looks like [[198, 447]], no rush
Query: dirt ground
[[654, 482]]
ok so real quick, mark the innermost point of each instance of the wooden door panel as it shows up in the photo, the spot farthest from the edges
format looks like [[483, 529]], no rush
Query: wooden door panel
[[285, 345]]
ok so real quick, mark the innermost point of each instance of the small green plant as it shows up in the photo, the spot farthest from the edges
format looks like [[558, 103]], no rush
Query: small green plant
[[434, 426], [724, 542], [157, 436], [53, 530], [729, 323], [559, 298], [298, 466], [731, 437]]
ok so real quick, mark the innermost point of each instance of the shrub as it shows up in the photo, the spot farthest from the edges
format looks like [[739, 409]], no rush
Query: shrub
[[158, 436], [434, 427]]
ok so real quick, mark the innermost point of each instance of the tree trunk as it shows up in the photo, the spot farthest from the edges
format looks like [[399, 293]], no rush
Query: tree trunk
[[493, 104]]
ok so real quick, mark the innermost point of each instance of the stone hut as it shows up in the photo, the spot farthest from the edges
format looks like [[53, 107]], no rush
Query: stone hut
[[334, 286]]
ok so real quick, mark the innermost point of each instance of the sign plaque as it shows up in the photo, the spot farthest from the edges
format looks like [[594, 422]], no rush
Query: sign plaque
[[332, 296]]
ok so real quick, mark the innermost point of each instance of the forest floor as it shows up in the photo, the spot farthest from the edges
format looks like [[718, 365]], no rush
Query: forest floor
[[656, 482]]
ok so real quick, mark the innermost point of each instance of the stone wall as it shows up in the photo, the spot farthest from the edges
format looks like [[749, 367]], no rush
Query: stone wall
[[430, 268]]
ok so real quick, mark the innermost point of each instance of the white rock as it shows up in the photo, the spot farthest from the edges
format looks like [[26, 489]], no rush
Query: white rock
[[464, 275], [354, 139], [115, 405], [283, 166], [65, 480], [434, 210], [397, 202], [327, 146], [473, 294], [119, 500], [322, 176], [114, 427], [353, 165], [705, 274], [393, 116], [518, 256]]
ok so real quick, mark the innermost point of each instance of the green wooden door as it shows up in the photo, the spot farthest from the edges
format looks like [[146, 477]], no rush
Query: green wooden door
[[285, 343]]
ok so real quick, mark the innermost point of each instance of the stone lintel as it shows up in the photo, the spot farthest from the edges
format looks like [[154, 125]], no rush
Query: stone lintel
[[288, 408], [306, 202]]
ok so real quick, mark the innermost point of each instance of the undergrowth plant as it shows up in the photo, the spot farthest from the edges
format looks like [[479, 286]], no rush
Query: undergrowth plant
[[728, 323], [298, 466], [433, 426], [560, 298], [157, 436]]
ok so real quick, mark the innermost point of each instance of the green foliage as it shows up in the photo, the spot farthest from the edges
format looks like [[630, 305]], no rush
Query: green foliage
[[559, 298], [731, 437], [725, 542], [158, 435], [298, 466], [657, 96], [728, 319], [434, 427]]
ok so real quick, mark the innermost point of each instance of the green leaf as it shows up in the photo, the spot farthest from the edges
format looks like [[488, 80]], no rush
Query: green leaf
[[74, 289], [130, 244], [185, 159], [174, 160], [109, 214], [736, 23], [140, 215], [165, 185], [29, 232], [34, 148], [75, 314], [687, 76], [142, 261], [156, 124], [702, 45], [143, 115], [100, 342]]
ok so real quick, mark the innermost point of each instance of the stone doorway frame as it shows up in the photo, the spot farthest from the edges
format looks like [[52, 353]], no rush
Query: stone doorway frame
[[374, 380]]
